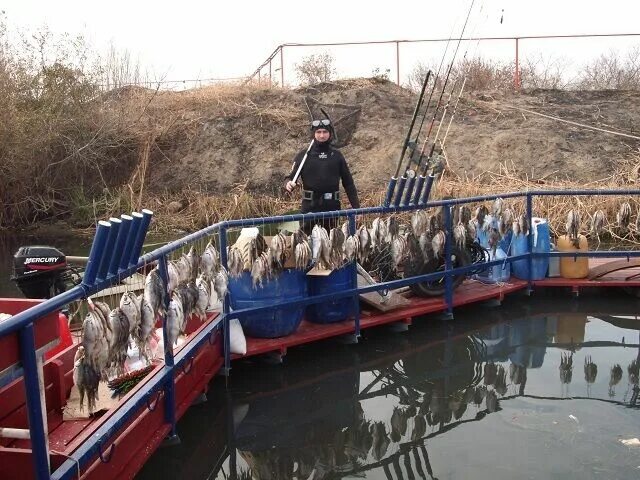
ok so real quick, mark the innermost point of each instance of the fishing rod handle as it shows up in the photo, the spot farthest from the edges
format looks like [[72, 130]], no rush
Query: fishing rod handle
[[390, 189], [304, 159], [408, 191], [401, 183]]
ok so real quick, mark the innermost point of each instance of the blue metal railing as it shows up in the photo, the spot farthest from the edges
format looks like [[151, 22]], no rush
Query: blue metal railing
[[106, 268]]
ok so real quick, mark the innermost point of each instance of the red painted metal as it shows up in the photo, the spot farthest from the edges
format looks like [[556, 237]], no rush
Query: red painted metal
[[46, 331]]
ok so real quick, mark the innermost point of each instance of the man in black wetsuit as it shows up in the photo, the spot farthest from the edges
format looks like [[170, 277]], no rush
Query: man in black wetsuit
[[322, 172]]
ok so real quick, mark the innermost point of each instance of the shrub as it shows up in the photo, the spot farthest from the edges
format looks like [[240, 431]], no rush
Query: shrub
[[316, 69]]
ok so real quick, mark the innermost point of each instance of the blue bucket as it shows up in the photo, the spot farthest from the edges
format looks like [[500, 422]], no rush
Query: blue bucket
[[541, 244], [280, 322], [336, 310]]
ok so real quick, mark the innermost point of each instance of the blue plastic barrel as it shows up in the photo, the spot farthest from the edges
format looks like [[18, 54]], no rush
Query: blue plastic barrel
[[280, 322], [541, 244], [336, 310]]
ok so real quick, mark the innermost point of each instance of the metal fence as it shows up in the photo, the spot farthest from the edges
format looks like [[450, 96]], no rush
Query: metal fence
[[395, 59], [23, 323]]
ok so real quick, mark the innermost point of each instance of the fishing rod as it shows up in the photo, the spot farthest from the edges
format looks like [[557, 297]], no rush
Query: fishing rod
[[422, 199], [420, 181], [408, 174], [455, 108], [424, 195], [392, 182]]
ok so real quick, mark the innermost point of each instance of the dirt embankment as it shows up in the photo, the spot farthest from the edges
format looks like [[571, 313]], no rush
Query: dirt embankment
[[249, 136]]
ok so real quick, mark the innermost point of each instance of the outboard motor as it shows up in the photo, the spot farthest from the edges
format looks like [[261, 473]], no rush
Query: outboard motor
[[42, 272]]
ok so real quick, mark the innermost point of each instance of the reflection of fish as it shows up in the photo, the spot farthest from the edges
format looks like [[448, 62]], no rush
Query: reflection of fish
[[479, 394], [492, 401], [501, 380], [566, 367], [419, 428], [633, 370], [517, 374], [590, 370], [398, 424], [490, 373], [616, 376], [380, 440]]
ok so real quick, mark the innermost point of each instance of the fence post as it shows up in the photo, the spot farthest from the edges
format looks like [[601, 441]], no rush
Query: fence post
[[398, 63], [516, 73], [35, 404], [282, 66], [169, 365]]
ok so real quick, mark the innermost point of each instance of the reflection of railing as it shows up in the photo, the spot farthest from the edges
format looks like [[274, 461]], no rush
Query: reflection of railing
[[23, 323]]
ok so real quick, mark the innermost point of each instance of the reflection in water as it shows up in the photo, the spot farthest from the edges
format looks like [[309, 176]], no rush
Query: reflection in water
[[615, 377], [396, 407]]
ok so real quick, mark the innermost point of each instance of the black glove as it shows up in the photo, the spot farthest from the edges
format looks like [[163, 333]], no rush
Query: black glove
[[352, 194]]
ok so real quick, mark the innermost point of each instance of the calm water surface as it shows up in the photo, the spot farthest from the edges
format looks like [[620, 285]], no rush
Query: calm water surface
[[525, 390]]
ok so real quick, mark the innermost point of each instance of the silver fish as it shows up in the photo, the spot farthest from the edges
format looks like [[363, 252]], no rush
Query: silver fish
[[365, 243], [154, 291], [302, 255], [505, 221], [257, 246], [278, 251], [460, 235], [496, 208], [393, 228], [210, 260], [437, 244], [376, 241], [146, 329], [194, 263], [351, 247], [465, 214], [573, 227], [597, 224], [345, 229], [481, 212], [624, 216], [130, 305], [188, 294], [86, 379], [398, 250], [221, 284], [472, 229], [298, 237], [426, 246], [175, 320], [259, 270], [336, 241], [96, 342], [203, 284], [523, 223], [235, 261], [419, 222], [119, 340]]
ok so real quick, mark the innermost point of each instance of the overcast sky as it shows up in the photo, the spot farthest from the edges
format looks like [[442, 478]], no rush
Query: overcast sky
[[202, 39]]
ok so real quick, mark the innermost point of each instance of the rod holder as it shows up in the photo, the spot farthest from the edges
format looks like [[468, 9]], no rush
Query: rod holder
[[401, 183], [390, 189], [418, 190], [131, 240], [103, 270], [408, 191], [96, 253], [140, 236], [427, 190], [125, 226]]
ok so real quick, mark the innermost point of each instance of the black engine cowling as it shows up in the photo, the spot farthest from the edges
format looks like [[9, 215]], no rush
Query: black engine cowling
[[40, 271]]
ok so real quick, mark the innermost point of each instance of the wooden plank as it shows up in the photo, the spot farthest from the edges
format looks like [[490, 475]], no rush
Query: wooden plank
[[375, 300], [614, 266]]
